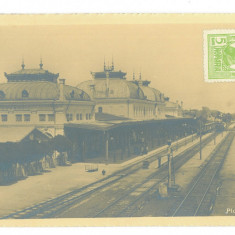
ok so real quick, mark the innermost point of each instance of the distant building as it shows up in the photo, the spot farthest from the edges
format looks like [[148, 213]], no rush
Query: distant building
[[33, 97], [172, 109], [115, 95]]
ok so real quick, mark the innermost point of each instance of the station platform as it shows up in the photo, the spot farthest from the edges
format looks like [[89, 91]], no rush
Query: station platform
[[225, 198], [39, 188], [183, 178]]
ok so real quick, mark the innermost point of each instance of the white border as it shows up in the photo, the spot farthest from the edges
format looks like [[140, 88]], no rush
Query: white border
[[205, 54], [116, 6]]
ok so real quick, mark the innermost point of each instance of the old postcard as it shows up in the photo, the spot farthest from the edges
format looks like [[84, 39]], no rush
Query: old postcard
[[117, 120]]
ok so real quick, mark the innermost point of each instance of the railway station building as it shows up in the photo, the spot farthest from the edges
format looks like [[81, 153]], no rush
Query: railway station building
[[114, 94], [37, 98], [133, 99], [107, 118]]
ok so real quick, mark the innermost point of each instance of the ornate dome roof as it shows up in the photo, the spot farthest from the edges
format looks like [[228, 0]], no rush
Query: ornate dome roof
[[118, 88], [152, 94], [39, 91]]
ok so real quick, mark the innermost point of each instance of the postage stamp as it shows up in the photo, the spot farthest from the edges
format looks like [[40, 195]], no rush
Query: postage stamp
[[219, 55]]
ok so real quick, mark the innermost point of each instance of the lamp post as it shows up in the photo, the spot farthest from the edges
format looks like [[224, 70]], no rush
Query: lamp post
[[171, 177], [215, 138], [200, 133], [184, 125], [177, 143]]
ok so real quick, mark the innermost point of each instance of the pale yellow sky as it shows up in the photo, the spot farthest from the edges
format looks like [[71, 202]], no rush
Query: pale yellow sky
[[170, 55]]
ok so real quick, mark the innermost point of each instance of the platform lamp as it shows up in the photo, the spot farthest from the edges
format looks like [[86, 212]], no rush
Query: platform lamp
[[171, 173], [200, 134], [177, 143], [184, 125]]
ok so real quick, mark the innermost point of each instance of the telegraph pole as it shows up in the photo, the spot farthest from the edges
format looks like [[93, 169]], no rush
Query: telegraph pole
[[171, 175], [185, 142], [177, 143], [215, 139], [200, 132]]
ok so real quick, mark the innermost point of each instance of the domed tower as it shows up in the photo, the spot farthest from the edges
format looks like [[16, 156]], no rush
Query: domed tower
[[37, 98], [151, 94], [115, 95]]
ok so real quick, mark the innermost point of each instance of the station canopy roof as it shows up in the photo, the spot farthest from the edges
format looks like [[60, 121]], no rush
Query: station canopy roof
[[17, 134], [108, 125]]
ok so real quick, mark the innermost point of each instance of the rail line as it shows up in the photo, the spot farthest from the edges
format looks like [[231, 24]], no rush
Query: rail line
[[197, 200], [124, 206], [51, 207]]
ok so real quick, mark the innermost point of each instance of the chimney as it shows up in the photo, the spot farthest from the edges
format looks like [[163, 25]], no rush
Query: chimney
[[92, 87], [61, 88]]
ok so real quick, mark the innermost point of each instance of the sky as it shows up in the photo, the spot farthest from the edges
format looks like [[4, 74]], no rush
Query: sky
[[169, 55]]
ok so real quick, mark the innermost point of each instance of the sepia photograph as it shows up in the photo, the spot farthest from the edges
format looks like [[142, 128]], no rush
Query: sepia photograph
[[117, 116]]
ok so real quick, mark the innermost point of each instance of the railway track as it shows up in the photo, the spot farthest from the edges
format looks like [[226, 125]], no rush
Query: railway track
[[199, 200], [125, 206], [50, 208]]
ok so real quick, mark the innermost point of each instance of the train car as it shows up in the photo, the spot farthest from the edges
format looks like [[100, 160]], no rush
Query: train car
[[208, 127], [213, 126]]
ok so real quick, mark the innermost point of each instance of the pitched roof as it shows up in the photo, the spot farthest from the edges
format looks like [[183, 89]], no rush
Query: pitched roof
[[18, 133], [31, 71], [108, 117]]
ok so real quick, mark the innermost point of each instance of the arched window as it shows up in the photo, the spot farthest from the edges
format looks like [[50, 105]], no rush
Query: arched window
[[25, 94], [2, 95]]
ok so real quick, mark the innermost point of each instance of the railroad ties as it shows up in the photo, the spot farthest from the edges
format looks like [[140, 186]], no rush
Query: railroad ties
[[199, 200]]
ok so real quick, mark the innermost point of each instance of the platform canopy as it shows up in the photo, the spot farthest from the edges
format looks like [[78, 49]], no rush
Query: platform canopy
[[18, 134]]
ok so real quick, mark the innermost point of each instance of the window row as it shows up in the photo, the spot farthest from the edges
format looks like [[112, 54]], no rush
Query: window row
[[24, 94], [79, 116], [46, 117], [139, 111], [27, 117]]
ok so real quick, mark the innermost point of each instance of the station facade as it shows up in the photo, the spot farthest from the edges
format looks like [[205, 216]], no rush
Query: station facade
[[36, 97], [133, 99]]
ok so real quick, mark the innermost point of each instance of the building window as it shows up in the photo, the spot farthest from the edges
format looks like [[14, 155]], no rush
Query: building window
[[42, 117], [27, 117], [72, 94], [4, 117], [100, 109], [19, 117], [89, 116], [69, 117], [25, 94], [79, 116], [2, 95], [51, 117]]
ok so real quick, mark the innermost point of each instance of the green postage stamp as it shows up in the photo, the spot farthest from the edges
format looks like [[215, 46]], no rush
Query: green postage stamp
[[219, 55]]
